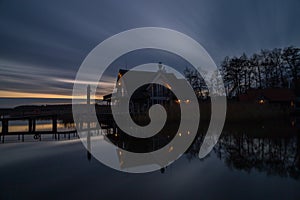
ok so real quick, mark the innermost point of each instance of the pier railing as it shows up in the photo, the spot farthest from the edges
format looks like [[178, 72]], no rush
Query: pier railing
[[105, 121], [32, 127]]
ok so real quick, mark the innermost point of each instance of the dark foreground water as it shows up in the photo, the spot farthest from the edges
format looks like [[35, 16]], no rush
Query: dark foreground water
[[257, 161]]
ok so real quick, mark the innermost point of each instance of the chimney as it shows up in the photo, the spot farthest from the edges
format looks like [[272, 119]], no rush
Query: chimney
[[160, 66]]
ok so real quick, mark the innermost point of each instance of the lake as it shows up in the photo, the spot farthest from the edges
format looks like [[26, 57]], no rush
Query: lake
[[251, 161]]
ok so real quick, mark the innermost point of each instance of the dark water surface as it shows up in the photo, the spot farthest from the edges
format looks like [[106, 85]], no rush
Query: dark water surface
[[254, 161]]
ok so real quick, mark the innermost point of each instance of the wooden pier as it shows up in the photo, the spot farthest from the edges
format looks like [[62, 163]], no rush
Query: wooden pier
[[105, 121], [32, 128], [104, 115]]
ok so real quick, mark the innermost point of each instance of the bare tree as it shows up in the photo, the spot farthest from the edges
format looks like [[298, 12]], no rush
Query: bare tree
[[291, 57]]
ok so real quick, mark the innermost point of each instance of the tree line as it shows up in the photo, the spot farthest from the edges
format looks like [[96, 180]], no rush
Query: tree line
[[276, 68]]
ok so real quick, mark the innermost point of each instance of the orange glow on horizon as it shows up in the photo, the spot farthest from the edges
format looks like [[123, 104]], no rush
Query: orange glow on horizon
[[12, 94]]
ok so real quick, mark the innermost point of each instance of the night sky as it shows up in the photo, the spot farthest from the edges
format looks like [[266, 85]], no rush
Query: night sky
[[42, 43]]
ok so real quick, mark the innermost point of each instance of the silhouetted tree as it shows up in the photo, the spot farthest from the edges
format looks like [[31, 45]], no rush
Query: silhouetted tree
[[196, 81], [291, 57], [266, 69]]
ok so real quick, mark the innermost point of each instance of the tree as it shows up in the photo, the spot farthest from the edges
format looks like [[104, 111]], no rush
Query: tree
[[255, 65], [291, 57], [196, 81], [266, 69], [277, 65]]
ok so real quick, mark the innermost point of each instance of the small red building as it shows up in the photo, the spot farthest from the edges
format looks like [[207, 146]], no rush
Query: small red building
[[283, 96]]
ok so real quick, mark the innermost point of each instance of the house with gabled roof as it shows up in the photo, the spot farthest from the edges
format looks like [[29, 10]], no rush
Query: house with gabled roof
[[148, 94]]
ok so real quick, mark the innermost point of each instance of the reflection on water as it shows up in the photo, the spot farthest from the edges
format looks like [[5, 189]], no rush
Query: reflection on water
[[273, 148], [270, 147], [250, 161], [41, 125], [275, 156]]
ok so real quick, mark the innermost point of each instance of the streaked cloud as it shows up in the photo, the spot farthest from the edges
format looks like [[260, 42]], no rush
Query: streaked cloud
[[42, 44]]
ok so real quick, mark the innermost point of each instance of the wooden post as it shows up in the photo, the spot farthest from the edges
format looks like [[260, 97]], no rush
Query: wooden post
[[30, 125], [4, 128], [54, 126], [29, 128], [89, 156], [33, 125]]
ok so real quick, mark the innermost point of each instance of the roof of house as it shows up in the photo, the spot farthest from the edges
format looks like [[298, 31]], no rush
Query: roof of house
[[151, 75], [141, 93], [271, 94]]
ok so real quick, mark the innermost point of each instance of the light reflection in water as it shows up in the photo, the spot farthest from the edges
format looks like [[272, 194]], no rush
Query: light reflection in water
[[63, 124], [272, 148]]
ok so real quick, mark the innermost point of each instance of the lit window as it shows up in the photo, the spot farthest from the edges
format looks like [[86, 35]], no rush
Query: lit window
[[261, 101], [292, 103]]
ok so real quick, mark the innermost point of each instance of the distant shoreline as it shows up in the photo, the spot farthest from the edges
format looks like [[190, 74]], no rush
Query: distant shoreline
[[236, 110], [9, 103]]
